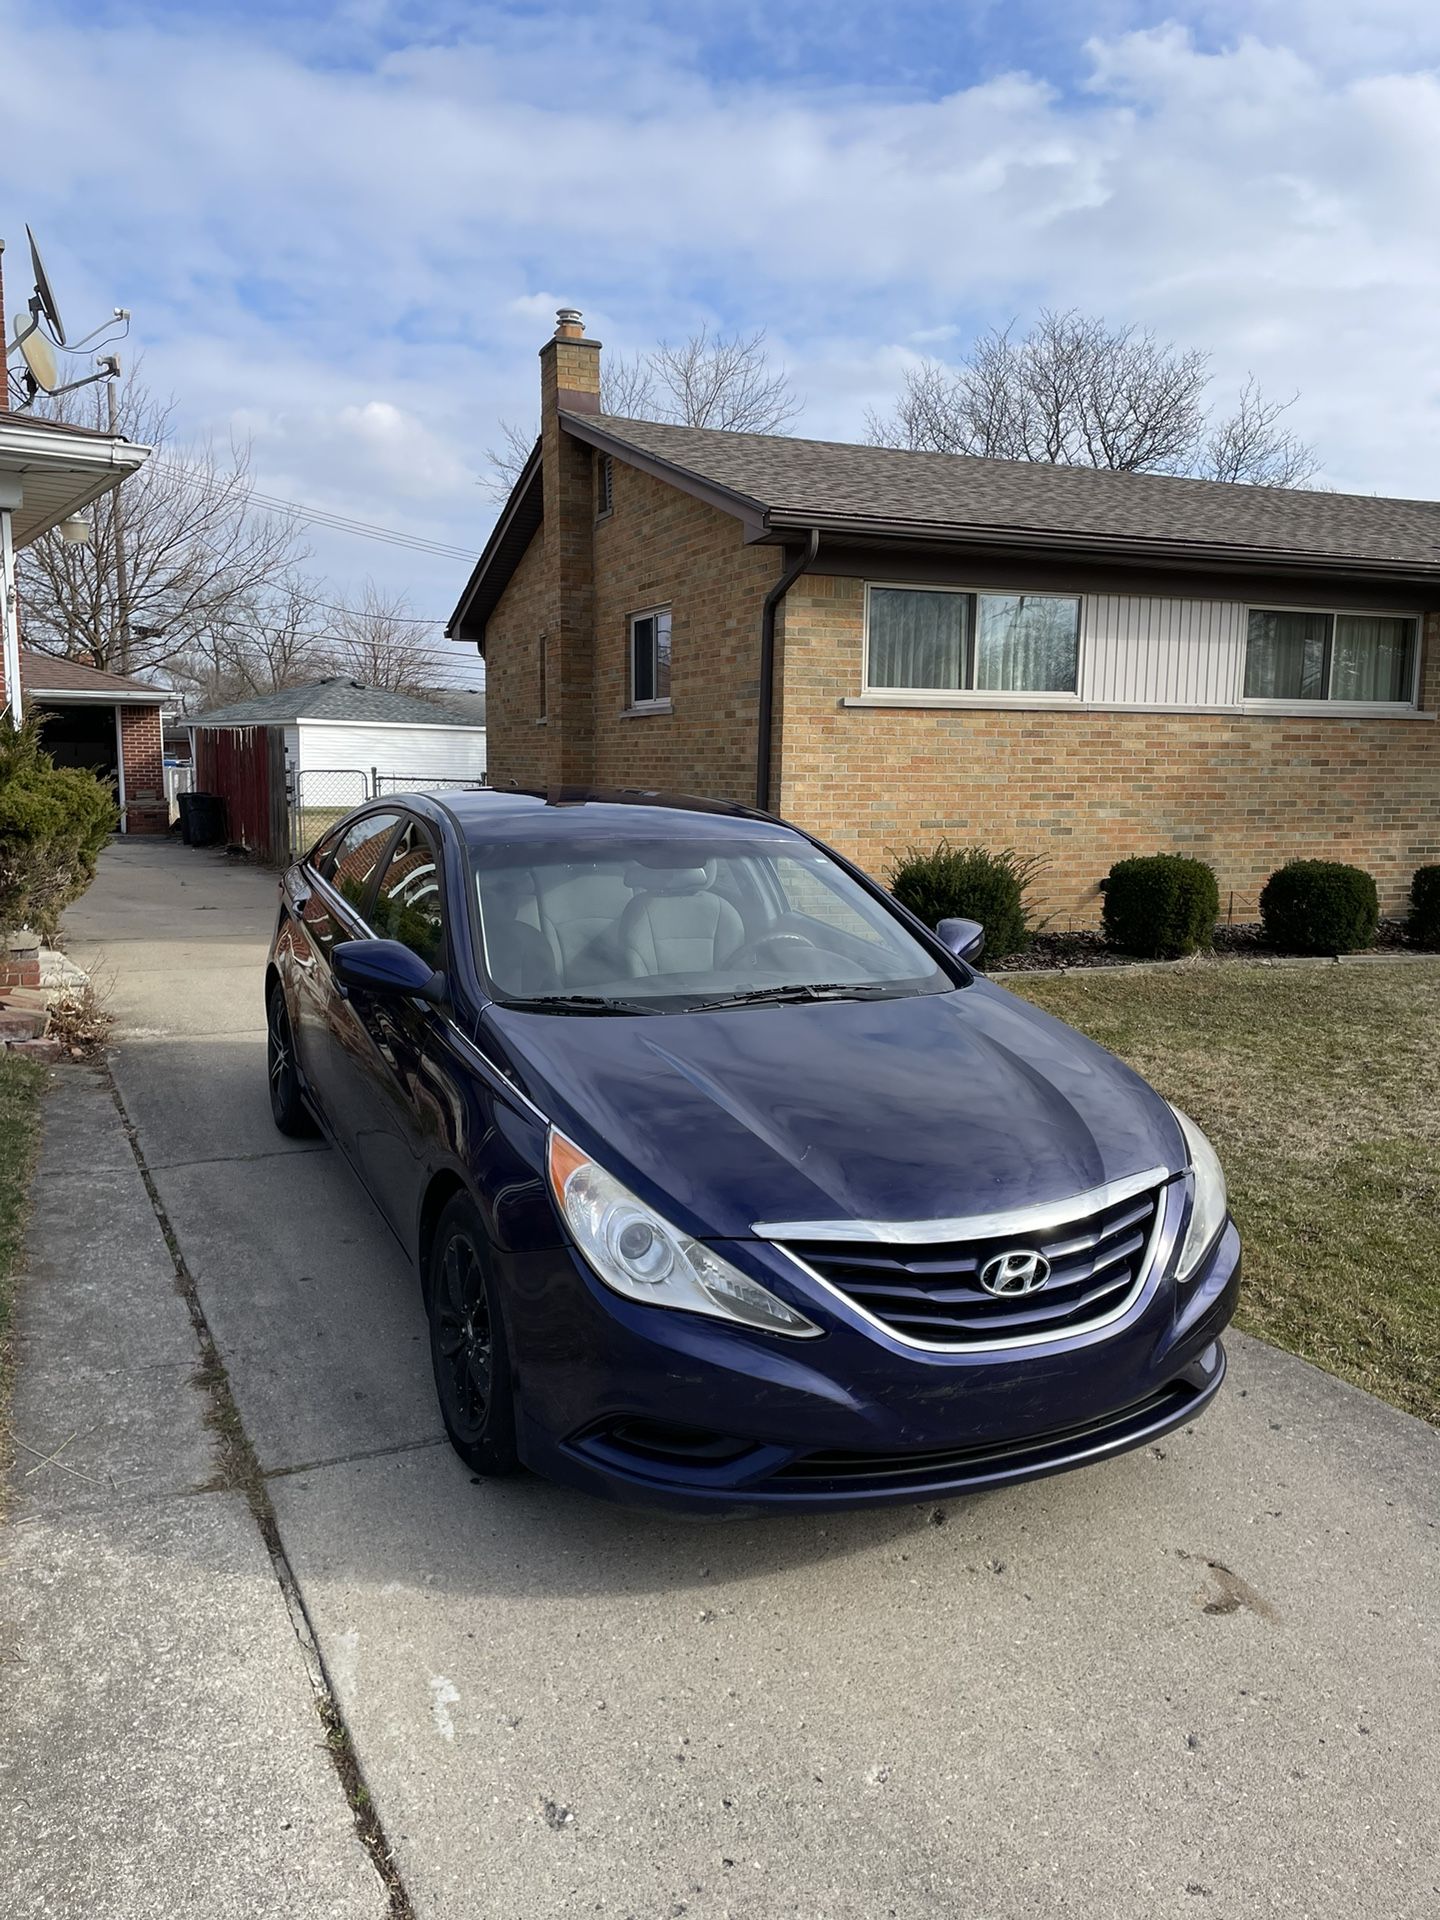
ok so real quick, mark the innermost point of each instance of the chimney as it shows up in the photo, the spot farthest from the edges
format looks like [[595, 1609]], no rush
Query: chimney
[[569, 368], [569, 383]]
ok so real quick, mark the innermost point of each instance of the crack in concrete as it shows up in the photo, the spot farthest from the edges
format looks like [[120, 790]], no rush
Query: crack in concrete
[[240, 1471]]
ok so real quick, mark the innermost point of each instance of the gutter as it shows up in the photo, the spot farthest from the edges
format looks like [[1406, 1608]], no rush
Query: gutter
[[766, 722]]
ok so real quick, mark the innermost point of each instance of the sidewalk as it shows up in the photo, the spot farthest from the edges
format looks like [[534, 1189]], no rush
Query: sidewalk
[[162, 1752]]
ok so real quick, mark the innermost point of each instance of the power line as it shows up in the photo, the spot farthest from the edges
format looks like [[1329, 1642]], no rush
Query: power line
[[319, 516]]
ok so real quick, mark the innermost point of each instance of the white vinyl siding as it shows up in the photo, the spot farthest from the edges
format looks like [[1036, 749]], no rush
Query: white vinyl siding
[[436, 752], [1145, 650]]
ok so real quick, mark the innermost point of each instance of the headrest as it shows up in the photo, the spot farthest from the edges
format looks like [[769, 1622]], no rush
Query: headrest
[[646, 879]]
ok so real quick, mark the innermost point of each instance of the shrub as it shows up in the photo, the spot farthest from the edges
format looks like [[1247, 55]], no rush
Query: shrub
[[53, 823], [1161, 905], [1320, 906], [971, 883], [1423, 926]]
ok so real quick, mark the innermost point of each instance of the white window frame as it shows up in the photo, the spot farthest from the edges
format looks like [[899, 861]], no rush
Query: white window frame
[[661, 703], [971, 696], [1347, 709]]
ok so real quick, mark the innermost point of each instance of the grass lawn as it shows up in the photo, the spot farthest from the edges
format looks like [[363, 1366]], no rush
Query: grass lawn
[[1320, 1087], [21, 1081]]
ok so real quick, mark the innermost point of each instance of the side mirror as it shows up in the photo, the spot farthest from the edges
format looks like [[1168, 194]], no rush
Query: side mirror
[[964, 938], [385, 967]]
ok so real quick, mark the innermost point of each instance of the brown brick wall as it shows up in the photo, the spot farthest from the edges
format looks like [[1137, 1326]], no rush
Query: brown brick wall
[[516, 748], [661, 548], [142, 754], [1243, 792], [657, 547]]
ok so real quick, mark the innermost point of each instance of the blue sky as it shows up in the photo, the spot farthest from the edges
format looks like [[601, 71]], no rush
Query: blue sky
[[343, 230]]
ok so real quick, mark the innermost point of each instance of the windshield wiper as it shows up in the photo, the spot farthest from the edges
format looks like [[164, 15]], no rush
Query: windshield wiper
[[798, 992], [575, 1003]]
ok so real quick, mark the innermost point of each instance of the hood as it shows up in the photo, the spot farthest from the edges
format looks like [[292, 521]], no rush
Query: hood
[[908, 1109]]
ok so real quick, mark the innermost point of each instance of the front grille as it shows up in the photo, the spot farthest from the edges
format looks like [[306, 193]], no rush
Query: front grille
[[1167, 1406], [933, 1293]]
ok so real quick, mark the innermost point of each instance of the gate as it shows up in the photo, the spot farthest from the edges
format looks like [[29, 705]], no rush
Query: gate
[[246, 767], [322, 796]]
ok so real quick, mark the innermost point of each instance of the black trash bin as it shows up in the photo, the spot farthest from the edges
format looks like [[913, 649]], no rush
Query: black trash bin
[[182, 807], [206, 819]]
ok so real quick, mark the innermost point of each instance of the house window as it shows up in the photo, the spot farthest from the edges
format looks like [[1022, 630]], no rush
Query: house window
[[604, 485], [1291, 654], [650, 658], [942, 641]]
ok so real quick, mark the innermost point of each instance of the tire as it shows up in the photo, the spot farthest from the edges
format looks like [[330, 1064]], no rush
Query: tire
[[468, 1349], [287, 1105]]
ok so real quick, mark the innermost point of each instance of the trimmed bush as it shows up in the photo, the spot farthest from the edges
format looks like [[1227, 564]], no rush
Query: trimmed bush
[[1320, 906], [971, 883], [1423, 926], [53, 823], [1161, 905]]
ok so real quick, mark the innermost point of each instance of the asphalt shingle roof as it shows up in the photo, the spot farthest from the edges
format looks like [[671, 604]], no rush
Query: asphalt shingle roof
[[880, 488], [48, 673], [332, 700]]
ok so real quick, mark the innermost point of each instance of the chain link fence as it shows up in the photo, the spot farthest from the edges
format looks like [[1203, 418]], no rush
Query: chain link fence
[[319, 796]]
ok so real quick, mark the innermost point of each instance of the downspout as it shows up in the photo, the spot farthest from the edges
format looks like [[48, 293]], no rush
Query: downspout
[[766, 728]]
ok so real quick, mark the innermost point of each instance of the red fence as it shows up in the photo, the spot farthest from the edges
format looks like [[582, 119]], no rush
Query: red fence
[[246, 767]]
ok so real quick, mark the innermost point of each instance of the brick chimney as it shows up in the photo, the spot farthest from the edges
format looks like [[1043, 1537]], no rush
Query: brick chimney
[[569, 383]]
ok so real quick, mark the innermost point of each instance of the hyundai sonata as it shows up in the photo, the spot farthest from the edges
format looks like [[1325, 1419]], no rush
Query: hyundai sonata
[[731, 1185]]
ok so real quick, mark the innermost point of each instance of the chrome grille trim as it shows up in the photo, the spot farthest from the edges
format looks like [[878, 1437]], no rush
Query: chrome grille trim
[[1158, 1183], [1016, 1221]]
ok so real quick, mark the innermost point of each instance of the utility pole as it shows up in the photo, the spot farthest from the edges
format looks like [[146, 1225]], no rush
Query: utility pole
[[122, 576]]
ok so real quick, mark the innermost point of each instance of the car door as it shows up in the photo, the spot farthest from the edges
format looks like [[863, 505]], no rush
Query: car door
[[328, 1037], [405, 1107]]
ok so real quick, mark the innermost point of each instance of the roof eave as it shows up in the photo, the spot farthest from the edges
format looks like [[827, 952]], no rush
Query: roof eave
[[788, 524], [519, 518]]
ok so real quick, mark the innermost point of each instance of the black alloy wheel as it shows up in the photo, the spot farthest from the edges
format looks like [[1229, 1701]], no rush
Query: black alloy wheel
[[468, 1347], [287, 1105]]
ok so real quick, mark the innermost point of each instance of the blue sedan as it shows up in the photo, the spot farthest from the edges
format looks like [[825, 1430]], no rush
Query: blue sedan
[[731, 1185]]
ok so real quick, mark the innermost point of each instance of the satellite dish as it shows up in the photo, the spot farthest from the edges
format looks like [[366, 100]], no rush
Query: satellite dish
[[45, 296], [39, 357]]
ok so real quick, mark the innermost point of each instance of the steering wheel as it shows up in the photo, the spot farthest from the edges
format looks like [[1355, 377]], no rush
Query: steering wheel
[[764, 948]]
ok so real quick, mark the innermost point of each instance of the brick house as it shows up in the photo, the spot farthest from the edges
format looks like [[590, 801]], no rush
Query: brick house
[[1074, 662]]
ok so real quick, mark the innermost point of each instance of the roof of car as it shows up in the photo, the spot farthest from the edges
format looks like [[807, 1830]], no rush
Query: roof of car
[[561, 808]]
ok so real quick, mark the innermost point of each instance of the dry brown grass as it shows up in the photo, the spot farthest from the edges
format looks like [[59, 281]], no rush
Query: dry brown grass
[[1320, 1087]]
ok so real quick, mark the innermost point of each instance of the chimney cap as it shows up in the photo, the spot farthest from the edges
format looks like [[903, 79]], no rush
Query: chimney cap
[[569, 323]]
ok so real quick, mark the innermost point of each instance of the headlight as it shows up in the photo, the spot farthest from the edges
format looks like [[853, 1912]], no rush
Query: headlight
[[632, 1249], [1207, 1214]]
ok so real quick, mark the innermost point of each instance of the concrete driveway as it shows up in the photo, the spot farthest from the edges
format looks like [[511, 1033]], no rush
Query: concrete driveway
[[1201, 1680]]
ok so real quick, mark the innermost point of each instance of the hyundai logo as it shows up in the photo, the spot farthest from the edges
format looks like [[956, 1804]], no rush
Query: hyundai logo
[[1017, 1272]]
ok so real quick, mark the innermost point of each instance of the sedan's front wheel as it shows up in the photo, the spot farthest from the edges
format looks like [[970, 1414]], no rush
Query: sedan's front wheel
[[468, 1347], [287, 1107]]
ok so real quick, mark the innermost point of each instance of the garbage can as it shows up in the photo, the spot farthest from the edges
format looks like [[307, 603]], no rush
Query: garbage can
[[206, 819], [182, 808]]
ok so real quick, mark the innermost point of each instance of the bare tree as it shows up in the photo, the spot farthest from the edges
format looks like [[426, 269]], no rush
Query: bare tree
[[723, 381], [1075, 391], [377, 641], [1251, 446], [197, 549], [277, 638], [716, 380]]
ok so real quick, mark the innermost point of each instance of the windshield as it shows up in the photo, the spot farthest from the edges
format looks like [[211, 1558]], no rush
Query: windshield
[[679, 926]]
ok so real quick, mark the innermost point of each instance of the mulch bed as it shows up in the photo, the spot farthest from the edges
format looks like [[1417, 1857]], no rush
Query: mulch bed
[[1082, 948]]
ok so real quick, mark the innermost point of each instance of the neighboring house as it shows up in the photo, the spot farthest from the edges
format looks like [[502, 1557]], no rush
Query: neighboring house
[[1080, 663], [107, 723], [336, 725]]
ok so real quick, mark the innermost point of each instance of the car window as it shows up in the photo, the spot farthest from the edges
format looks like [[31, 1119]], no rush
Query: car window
[[323, 851], [358, 855], [408, 905], [809, 890], [682, 924]]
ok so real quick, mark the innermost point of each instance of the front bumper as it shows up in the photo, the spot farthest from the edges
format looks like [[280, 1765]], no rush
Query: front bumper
[[675, 1411]]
